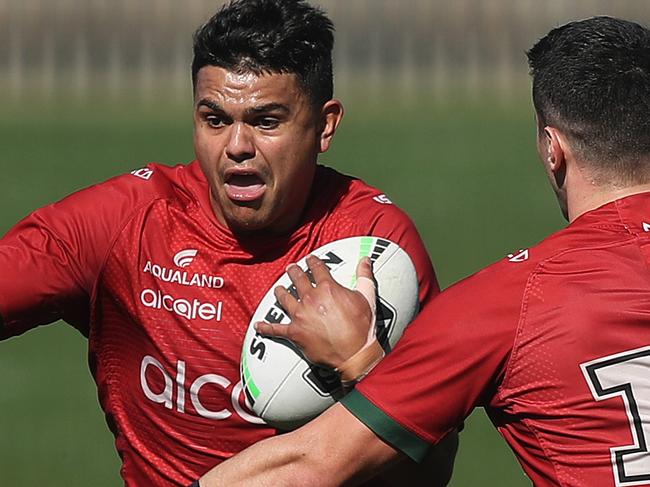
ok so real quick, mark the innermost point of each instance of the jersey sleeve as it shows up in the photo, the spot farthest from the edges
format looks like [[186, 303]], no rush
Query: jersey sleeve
[[49, 261], [450, 359], [40, 275]]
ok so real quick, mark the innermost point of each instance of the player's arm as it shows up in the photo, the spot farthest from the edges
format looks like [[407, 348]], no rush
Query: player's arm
[[50, 260], [39, 279], [334, 449]]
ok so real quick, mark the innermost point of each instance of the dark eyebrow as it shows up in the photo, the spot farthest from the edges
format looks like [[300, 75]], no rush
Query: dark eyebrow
[[205, 102], [269, 107]]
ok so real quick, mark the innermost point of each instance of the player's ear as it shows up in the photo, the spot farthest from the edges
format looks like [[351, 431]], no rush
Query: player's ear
[[556, 153], [331, 115]]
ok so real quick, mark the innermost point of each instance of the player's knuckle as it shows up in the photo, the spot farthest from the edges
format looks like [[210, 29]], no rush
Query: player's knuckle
[[310, 298], [328, 289], [299, 317], [326, 286]]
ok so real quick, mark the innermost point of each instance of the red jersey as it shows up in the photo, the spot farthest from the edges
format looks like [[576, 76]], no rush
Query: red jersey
[[554, 342], [165, 294]]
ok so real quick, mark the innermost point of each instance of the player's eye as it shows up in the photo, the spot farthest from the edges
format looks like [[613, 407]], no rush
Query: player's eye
[[215, 121], [267, 123]]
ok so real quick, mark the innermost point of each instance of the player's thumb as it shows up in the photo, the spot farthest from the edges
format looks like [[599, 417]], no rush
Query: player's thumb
[[366, 283], [368, 289]]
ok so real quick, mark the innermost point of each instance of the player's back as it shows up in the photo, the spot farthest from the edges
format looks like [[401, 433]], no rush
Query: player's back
[[575, 399]]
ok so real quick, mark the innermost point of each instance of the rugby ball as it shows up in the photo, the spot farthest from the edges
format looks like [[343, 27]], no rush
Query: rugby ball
[[280, 385]]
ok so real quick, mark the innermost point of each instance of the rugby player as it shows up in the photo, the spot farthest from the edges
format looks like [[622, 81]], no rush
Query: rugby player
[[554, 340], [163, 268]]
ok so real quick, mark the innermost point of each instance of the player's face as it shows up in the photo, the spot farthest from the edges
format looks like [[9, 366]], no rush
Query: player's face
[[257, 138]]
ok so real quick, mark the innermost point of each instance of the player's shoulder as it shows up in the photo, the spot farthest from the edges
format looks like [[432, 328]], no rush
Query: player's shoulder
[[357, 198], [151, 181], [130, 191], [506, 281], [109, 203]]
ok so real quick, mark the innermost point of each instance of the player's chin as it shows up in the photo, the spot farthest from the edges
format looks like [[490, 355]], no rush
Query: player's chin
[[249, 217]]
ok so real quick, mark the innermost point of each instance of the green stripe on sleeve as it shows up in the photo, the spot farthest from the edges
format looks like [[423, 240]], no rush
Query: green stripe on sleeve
[[385, 427]]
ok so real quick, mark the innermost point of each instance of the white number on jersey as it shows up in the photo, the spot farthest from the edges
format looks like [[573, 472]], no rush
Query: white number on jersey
[[627, 375]]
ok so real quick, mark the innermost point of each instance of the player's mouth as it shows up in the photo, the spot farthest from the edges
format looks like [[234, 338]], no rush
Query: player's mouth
[[244, 186]]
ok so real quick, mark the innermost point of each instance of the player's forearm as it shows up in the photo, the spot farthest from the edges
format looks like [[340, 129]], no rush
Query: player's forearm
[[276, 461], [334, 449]]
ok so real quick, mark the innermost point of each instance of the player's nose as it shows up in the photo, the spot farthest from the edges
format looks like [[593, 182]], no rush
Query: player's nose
[[240, 146]]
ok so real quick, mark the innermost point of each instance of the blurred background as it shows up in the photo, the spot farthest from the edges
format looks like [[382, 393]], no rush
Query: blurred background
[[438, 116]]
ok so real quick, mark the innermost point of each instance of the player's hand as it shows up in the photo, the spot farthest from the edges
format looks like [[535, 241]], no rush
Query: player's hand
[[329, 322]]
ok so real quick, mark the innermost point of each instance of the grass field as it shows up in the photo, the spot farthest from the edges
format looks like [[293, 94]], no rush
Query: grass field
[[466, 173]]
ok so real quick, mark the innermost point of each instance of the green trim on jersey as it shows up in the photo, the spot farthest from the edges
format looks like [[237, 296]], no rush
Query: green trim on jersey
[[385, 427]]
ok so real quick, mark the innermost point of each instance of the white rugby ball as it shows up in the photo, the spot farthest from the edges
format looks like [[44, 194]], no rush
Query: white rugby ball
[[281, 386]]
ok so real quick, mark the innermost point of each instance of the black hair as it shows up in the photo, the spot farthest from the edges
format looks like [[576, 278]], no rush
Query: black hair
[[270, 36], [591, 80]]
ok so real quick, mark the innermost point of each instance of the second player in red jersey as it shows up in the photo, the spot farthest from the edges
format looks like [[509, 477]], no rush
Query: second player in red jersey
[[559, 366]]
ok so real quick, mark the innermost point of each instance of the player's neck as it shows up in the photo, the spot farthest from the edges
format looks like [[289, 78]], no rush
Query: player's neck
[[580, 202]]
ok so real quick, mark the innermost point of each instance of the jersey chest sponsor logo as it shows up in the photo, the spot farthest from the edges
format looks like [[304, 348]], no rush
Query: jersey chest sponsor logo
[[182, 392], [184, 278], [183, 259], [190, 309]]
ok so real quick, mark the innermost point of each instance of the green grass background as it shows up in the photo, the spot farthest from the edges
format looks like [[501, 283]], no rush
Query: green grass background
[[466, 172]]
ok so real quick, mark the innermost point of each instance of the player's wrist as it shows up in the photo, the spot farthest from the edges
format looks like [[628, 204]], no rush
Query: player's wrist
[[360, 364]]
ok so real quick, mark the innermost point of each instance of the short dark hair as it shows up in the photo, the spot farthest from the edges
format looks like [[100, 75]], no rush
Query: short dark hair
[[270, 36], [591, 80]]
